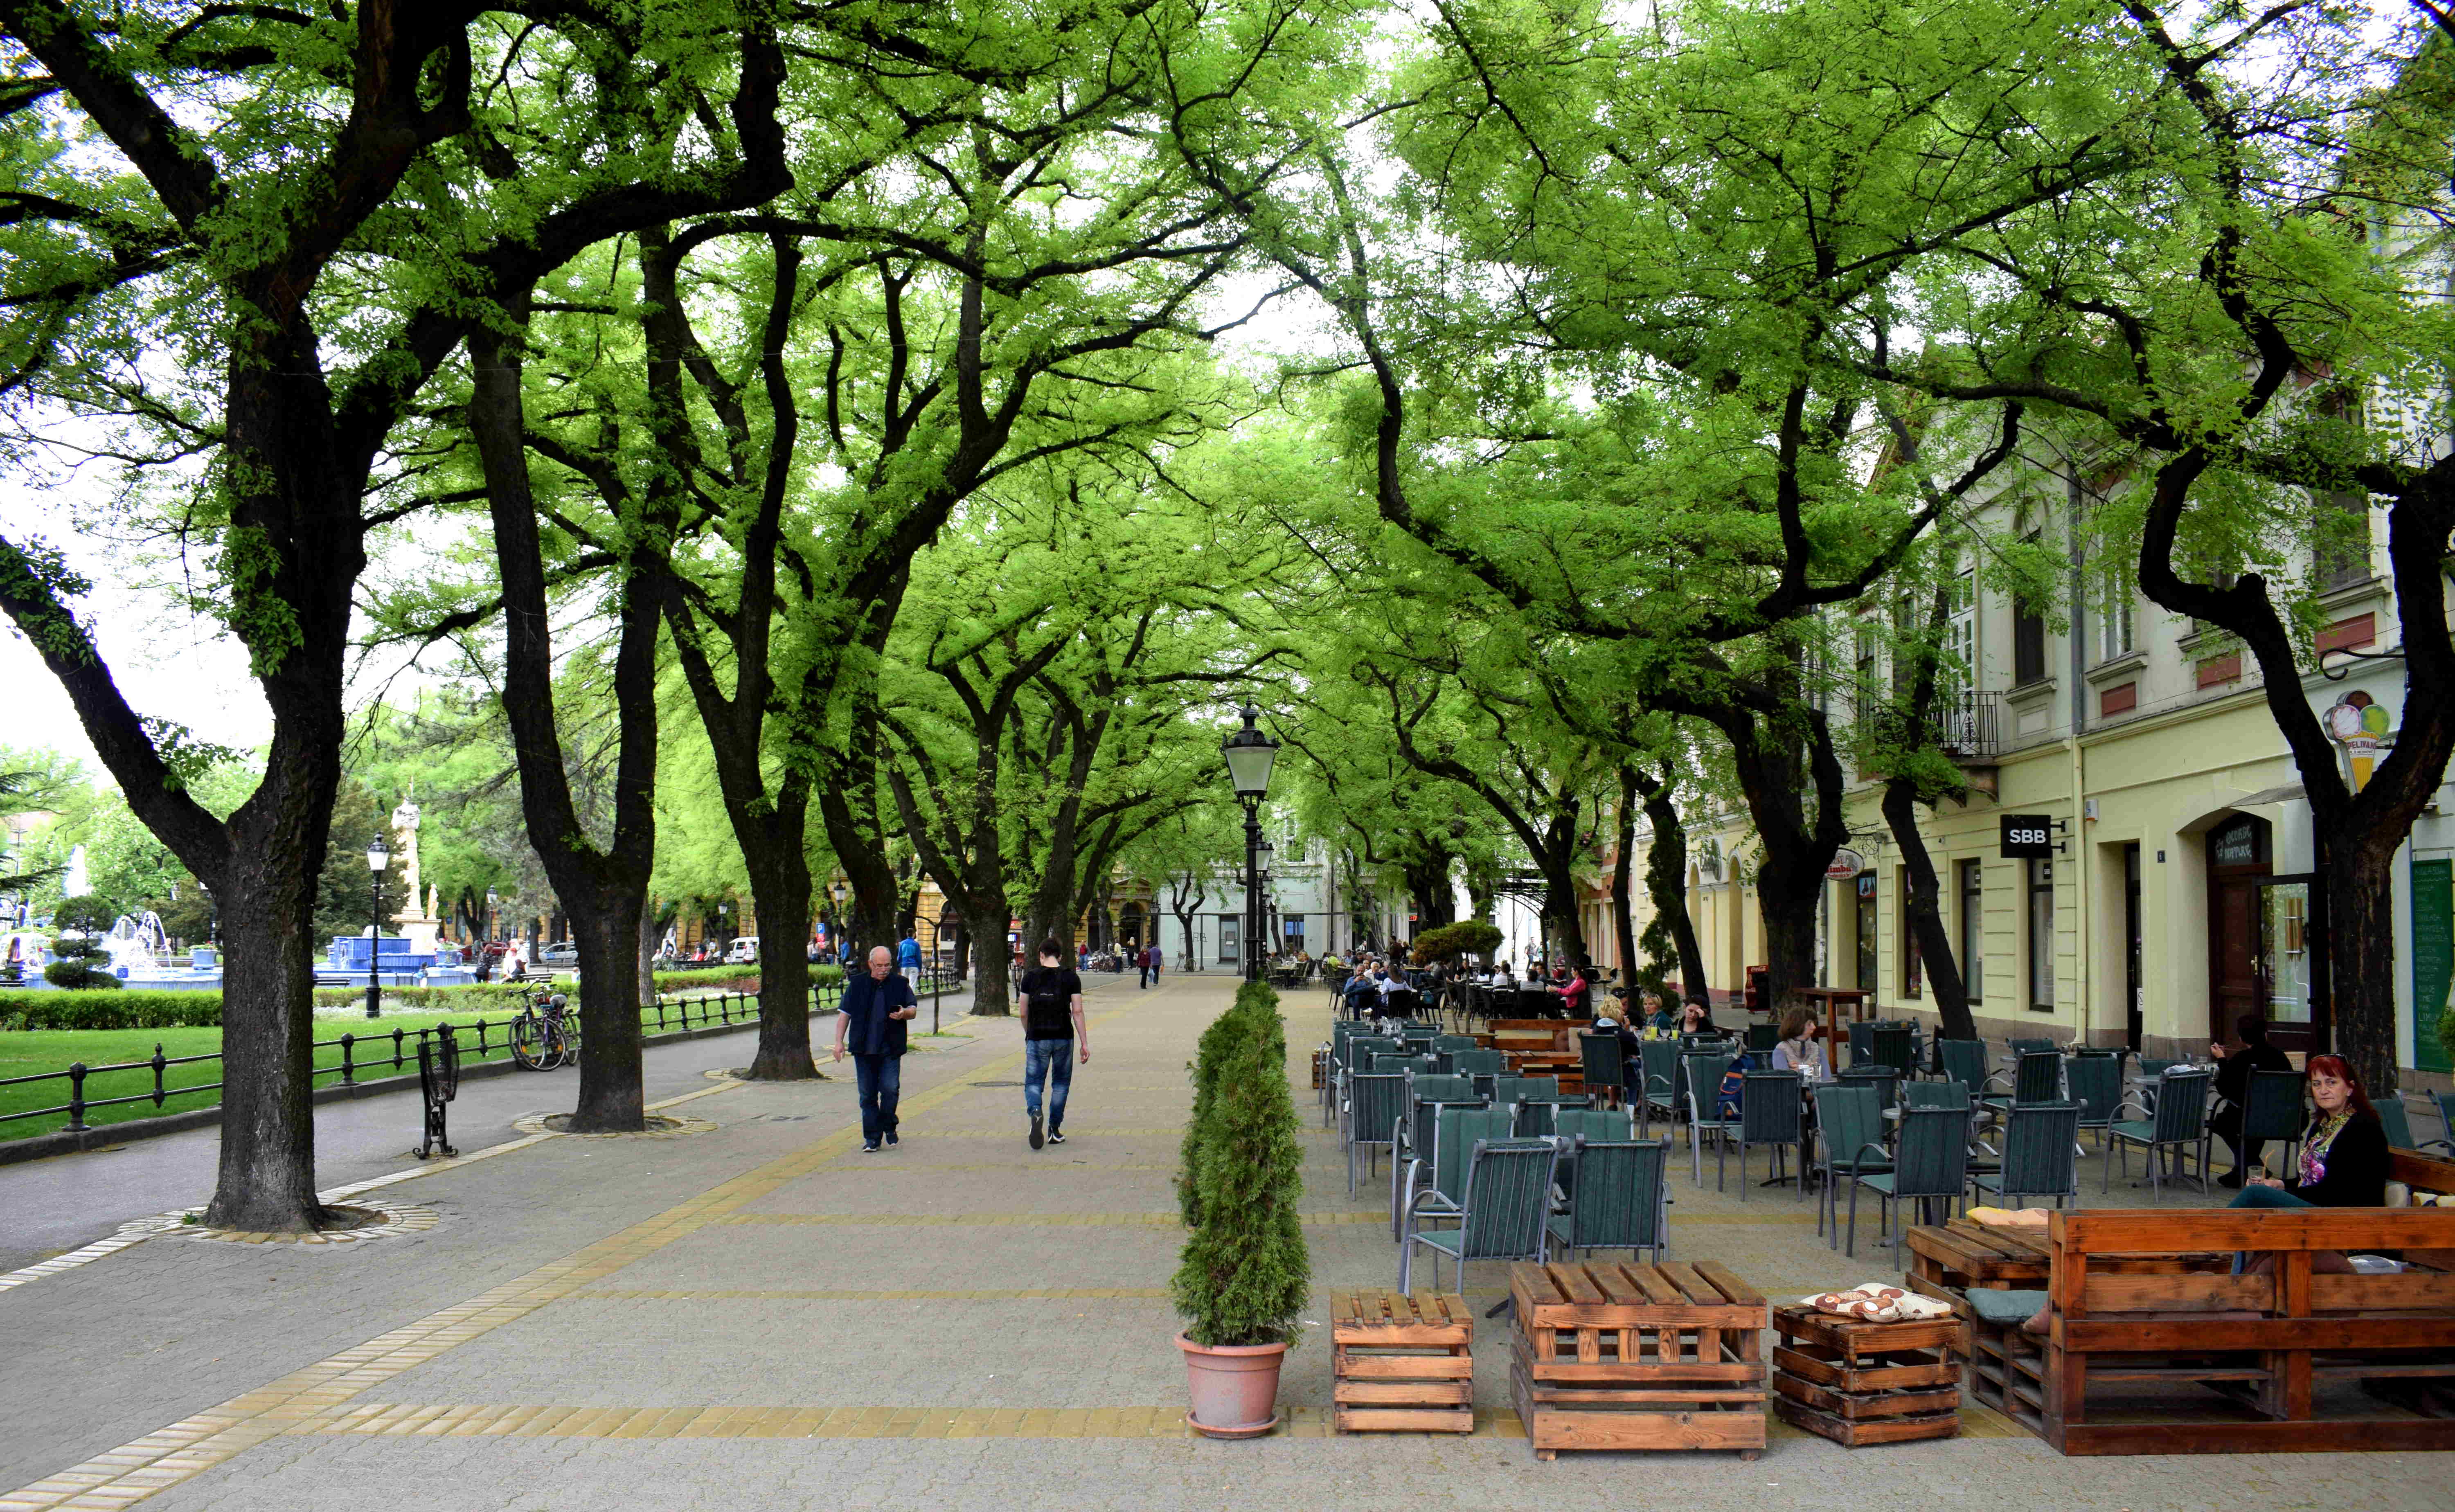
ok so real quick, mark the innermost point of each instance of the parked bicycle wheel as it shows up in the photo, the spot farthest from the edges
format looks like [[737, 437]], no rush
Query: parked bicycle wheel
[[533, 1047]]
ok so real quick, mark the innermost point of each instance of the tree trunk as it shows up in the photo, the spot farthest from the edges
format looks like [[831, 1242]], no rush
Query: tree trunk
[[780, 889], [2359, 928], [1623, 914], [1925, 908], [266, 1182], [1666, 880], [1428, 884]]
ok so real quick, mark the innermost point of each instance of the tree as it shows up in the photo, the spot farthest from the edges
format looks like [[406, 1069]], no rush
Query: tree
[[2242, 333], [343, 188], [83, 964]]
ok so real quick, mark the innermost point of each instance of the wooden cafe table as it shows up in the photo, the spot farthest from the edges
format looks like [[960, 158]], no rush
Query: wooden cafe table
[[1856, 999], [1950, 1258]]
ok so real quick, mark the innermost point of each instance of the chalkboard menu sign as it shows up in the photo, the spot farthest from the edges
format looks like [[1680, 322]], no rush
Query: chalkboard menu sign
[[2433, 957]]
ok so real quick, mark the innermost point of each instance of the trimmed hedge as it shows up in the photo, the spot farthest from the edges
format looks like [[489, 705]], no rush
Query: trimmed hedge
[[129, 1008], [480, 997], [738, 978]]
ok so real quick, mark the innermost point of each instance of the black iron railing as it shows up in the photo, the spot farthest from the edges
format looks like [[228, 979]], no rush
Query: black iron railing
[[1967, 726], [355, 1056]]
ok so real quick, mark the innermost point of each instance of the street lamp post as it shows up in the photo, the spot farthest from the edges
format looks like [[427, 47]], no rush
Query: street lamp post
[[1249, 754], [378, 856]]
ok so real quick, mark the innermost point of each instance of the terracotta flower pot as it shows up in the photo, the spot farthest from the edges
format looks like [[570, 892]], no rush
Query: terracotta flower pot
[[1235, 1387]]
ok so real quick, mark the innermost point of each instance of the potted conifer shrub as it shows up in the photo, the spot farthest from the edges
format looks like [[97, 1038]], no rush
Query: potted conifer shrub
[[1244, 1275]]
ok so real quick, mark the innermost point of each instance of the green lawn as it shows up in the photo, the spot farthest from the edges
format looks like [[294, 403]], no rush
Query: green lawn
[[34, 1052], [26, 1053]]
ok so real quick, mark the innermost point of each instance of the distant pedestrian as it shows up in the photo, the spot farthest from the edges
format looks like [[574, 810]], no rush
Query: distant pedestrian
[[907, 953], [1053, 1034], [870, 1019], [1158, 959]]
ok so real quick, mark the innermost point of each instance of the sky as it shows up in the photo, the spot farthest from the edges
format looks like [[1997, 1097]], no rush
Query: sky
[[179, 666]]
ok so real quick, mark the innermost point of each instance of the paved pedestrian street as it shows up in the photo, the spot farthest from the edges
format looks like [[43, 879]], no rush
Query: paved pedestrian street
[[761, 1315]]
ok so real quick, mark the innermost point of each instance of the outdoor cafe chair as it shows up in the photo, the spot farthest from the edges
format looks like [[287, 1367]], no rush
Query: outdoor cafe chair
[[1619, 1196], [1425, 1096], [1895, 1046], [2037, 1078], [1703, 1076], [2179, 1123], [1503, 1215], [1935, 1095], [1456, 1129], [2096, 1084], [2041, 1155], [1771, 1113], [1762, 1037], [2397, 1119], [1420, 1065], [1929, 1163], [1963, 1060], [2271, 1109], [1850, 1136], [1374, 1103], [1483, 1065], [1658, 1064], [1862, 1041], [1601, 1060]]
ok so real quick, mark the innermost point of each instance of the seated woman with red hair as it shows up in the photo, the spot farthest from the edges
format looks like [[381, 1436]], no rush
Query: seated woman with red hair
[[2343, 1159]]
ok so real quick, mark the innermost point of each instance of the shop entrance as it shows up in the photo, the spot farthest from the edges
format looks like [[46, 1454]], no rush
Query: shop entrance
[[2262, 948]]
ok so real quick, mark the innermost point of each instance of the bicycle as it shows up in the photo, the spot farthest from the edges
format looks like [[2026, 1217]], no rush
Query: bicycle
[[545, 1035]]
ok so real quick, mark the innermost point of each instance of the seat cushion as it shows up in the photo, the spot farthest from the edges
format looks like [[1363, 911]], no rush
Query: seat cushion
[[2004, 1308], [1880, 1183], [2137, 1130]]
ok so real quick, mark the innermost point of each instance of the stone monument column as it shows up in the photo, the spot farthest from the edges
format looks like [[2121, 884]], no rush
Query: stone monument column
[[417, 924]]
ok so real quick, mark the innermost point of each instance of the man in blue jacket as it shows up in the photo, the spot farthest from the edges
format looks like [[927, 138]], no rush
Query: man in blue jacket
[[870, 1022]]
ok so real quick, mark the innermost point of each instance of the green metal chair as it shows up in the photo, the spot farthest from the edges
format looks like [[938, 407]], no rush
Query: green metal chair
[[1862, 1041], [1600, 1125], [1931, 1163], [1456, 1128], [1618, 1194], [1504, 1215], [1425, 1096], [2271, 1109], [2179, 1123], [1418, 1065], [2041, 1155], [1883, 1080], [1481, 1064], [1537, 1113], [1448, 1046], [1702, 1077], [2397, 1119], [2025, 1047], [1374, 1103], [1963, 1060], [2096, 1086], [1659, 1063], [2037, 1078], [2155, 1065], [1895, 1046], [1849, 1137], [1762, 1037], [1935, 1095], [1772, 1113], [2445, 1101], [1604, 1065]]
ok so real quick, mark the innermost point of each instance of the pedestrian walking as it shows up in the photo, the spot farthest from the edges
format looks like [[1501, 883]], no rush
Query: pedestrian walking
[[870, 1022], [1053, 1034], [908, 953], [1158, 959]]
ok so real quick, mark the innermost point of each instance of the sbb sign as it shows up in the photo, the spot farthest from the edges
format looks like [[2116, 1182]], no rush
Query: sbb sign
[[2028, 836]]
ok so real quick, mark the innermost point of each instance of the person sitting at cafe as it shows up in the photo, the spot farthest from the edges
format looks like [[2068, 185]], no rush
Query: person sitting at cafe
[[1696, 1015], [1658, 1016], [2343, 1160], [1798, 1048], [2234, 1066], [1574, 991]]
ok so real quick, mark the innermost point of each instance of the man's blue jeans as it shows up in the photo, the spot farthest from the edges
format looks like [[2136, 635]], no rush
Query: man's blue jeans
[[1053, 1059], [882, 1081]]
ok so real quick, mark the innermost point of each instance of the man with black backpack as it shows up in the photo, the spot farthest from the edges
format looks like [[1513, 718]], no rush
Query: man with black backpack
[[1053, 1034]]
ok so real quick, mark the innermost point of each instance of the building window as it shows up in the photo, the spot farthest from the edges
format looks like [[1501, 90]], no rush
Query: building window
[[2041, 936], [1913, 963], [2028, 638], [1863, 692], [1232, 935], [2114, 626], [1961, 644], [1292, 928], [1973, 927]]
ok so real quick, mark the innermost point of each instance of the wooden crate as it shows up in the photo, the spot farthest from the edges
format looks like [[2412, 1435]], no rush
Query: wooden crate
[[1857, 1382], [1638, 1357], [1401, 1363]]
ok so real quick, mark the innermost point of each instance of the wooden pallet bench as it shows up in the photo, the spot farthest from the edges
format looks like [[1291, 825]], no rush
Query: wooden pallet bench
[[2219, 1364], [1401, 1363], [1857, 1382], [1638, 1357], [1948, 1259]]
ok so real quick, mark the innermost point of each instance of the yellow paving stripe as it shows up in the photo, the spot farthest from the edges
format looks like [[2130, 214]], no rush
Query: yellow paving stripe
[[1011, 1219], [407, 1420], [842, 1294]]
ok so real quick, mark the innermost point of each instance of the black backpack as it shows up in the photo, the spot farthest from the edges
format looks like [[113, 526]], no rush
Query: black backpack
[[1045, 1005]]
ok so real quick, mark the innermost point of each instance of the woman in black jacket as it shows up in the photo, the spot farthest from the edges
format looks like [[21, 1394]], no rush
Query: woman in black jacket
[[2343, 1157]]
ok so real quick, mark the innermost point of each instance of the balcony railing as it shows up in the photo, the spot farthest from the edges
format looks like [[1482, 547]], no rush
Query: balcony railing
[[1967, 726]]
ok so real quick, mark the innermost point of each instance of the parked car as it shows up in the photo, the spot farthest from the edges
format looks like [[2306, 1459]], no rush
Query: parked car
[[742, 952], [562, 953]]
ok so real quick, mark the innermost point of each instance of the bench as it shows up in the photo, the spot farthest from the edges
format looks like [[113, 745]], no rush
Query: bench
[[2220, 1364], [1540, 1047]]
